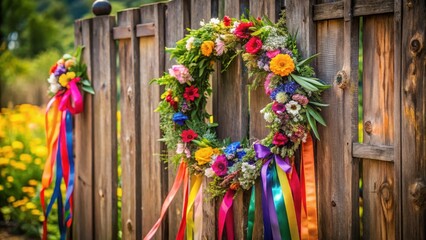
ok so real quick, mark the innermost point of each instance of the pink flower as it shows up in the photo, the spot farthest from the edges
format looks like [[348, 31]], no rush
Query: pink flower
[[272, 54], [279, 139], [181, 73], [253, 45], [220, 47], [243, 31], [267, 83], [278, 108], [220, 166], [302, 100], [182, 148]]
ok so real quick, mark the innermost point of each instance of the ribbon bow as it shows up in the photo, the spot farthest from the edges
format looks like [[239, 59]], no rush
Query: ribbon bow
[[263, 152]]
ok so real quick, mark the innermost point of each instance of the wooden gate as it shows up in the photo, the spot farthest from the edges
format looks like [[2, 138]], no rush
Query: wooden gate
[[370, 50]]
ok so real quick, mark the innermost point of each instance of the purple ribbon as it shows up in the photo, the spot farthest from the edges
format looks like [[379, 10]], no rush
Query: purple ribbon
[[263, 152]]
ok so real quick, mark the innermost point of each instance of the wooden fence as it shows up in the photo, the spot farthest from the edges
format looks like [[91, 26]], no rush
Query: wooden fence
[[391, 159]]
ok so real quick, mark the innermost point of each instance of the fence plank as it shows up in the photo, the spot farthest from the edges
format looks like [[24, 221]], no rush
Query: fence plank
[[83, 192], [413, 120], [379, 105], [130, 127], [153, 177], [105, 128], [177, 21]]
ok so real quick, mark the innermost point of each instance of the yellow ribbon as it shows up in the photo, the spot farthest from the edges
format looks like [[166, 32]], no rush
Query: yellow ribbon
[[196, 181]]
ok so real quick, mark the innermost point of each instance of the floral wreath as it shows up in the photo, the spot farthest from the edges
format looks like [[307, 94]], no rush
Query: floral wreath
[[271, 56], [68, 78]]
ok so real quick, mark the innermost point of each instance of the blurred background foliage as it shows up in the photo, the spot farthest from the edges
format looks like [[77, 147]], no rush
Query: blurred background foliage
[[33, 35]]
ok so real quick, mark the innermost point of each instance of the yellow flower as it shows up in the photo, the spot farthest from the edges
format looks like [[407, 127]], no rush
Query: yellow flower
[[38, 161], [18, 165], [203, 155], [4, 161], [17, 145], [282, 65], [207, 48], [32, 182], [41, 218], [36, 212], [65, 78], [39, 151], [1, 188], [11, 199], [9, 179], [25, 158], [119, 192], [29, 190], [30, 205]]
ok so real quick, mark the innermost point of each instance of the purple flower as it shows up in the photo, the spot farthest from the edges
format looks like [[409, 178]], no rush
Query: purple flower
[[60, 70], [286, 51], [291, 87], [179, 118], [220, 166]]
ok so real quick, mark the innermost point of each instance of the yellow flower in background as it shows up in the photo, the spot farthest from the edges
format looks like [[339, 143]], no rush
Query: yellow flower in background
[[38, 162], [30, 205], [18, 165], [26, 158], [17, 118], [39, 151], [29, 190], [36, 212], [119, 192], [282, 64], [41, 218], [17, 145], [11, 199], [10, 179], [1, 188], [32, 182], [4, 161], [65, 78], [207, 48], [203, 155]]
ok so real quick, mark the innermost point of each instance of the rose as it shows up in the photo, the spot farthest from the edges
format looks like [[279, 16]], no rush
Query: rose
[[242, 31], [204, 155], [280, 139], [253, 45], [220, 166], [227, 21], [181, 73]]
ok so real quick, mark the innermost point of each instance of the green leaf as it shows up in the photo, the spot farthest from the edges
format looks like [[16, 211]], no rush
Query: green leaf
[[319, 104], [88, 89], [307, 60], [303, 83], [316, 115], [86, 82], [313, 125]]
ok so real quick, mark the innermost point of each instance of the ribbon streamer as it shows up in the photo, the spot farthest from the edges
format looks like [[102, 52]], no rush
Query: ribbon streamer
[[226, 215], [195, 189], [251, 216]]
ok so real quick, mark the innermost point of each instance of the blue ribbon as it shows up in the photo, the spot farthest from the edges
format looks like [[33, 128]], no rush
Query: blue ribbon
[[70, 185]]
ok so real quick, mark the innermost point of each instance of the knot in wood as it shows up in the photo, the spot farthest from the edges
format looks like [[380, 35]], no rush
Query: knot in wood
[[368, 127], [129, 225], [101, 7], [333, 203], [409, 3], [417, 192], [101, 193], [341, 79], [385, 192], [129, 93]]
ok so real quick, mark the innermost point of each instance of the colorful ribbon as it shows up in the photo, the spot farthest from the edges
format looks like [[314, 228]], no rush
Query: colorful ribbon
[[226, 215], [59, 133]]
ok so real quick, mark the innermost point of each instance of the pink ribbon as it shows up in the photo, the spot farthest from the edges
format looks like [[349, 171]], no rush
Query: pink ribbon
[[71, 99], [226, 215]]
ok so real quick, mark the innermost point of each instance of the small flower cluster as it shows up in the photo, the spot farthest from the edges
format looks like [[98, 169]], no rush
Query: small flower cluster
[[271, 56], [68, 69]]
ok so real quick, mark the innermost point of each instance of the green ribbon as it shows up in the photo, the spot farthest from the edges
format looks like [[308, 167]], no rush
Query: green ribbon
[[250, 218], [279, 205]]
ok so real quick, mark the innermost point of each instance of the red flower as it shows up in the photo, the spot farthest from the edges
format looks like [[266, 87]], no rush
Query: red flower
[[188, 135], [253, 45], [278, 108], [243, 30], [227, 21], [280, 139], [53, 68], [191, 93]]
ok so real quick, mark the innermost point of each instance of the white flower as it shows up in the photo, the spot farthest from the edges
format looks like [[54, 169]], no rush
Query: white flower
[[292, 107], [209, 172], [269, 117], [281, 97], [52, 79], [189, 43], [220, 47], [236, 23], [54, 87], [202, 23], [215, 21]]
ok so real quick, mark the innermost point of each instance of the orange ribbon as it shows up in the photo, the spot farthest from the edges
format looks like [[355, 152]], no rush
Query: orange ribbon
[[181, 176], [309, 225]]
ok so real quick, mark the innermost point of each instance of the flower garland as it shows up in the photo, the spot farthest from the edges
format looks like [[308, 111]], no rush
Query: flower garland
[[271, 56], [67, 76]]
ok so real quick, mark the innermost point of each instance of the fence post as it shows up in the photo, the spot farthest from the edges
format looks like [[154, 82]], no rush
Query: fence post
[[130, 142], [96, 129]]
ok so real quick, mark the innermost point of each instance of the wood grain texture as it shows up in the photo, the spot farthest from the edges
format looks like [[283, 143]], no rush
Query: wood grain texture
[[379, 105], [130, 143], [370, 7], [154, 177], [413, 116], [177, 20], [105, 128], [376, 152], [83, 192], [328, 11]]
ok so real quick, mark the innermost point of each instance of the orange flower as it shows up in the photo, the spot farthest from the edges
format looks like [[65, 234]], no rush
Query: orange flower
[[282, 65], [207, 48]]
